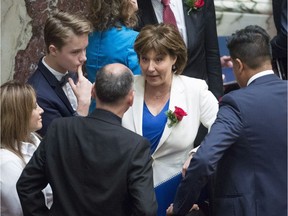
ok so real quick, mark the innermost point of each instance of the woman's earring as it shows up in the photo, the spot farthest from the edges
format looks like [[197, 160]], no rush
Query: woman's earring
[[174, 69]]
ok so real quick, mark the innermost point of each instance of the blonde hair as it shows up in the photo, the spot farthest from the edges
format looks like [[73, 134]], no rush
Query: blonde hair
[[164, 39], [17, 103]]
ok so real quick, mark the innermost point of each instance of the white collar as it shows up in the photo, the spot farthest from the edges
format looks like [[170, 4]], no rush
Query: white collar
[[263, 73], [57, 74]]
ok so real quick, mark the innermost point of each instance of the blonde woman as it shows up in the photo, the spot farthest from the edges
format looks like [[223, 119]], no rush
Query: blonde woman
[[20, 118]]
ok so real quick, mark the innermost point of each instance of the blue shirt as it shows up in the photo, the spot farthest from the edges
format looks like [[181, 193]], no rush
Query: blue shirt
[[153, 126]]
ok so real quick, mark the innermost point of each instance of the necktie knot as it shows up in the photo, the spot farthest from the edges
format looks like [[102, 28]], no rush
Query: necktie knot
[[165, 2]]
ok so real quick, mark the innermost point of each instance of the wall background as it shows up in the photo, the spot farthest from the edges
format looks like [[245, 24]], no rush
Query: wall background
[[22, 23]]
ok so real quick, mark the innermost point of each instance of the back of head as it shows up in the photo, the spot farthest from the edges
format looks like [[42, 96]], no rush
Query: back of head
[[17, 103], [164, 39], [113, 83], [60, 26], [112, 13], [251, 45]]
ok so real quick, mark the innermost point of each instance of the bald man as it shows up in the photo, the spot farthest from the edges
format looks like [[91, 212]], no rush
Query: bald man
[[93, 164]]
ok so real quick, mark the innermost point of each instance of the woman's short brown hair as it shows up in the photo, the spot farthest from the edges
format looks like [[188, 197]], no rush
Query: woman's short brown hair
[[163, 39]]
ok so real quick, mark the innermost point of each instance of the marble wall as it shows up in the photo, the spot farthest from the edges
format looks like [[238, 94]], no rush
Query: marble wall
[[22, 25]]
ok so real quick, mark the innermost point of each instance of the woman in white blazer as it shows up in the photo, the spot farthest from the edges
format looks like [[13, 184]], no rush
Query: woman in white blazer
[[162, 55]]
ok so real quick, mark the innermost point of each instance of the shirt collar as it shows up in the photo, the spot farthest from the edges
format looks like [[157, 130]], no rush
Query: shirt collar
[[57, 74], [263, 73]]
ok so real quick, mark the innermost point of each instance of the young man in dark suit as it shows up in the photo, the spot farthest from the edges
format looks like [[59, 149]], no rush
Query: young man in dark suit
[[246, 147], [66, 39], [93, 164]]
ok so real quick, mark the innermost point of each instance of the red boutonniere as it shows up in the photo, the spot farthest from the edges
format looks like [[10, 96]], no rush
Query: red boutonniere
[[176, 116], [194, 5]]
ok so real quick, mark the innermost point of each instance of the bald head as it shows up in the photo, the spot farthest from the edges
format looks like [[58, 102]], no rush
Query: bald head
[[113, 83]]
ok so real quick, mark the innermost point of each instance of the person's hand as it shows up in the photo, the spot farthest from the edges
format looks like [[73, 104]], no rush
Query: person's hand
[[82, 91], [169, 210], [226, 62], [186, 165]]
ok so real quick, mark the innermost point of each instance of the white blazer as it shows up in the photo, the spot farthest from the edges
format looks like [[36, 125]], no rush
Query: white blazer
[[193, 96]]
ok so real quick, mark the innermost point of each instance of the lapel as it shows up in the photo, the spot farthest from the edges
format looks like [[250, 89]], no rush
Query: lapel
[[188, 24], [177, 98], [137, 108], [54, 83], [147, 13]]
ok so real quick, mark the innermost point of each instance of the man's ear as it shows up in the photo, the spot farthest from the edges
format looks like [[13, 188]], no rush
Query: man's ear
[[239, 64], [131, 97], [93, 91], [52, 49]]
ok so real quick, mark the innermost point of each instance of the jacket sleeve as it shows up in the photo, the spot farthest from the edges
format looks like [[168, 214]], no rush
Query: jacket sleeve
[[140, 181], [214, 70], [31, 183], [224, 133]]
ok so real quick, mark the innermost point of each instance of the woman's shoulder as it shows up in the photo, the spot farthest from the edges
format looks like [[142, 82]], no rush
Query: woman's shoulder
[[190, 82], [8, 158]]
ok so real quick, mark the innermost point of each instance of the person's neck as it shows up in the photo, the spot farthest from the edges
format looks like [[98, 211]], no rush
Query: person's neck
[[157, 92], [49, 60], [118, 110]]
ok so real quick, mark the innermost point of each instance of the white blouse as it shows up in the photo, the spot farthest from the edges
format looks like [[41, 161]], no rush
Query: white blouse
[[11, 168]]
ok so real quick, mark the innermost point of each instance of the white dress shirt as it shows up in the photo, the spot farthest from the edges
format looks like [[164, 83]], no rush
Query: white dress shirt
[[11, 168], [177, 8]]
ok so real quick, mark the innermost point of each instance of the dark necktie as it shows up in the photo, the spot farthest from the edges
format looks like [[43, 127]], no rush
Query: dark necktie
[[168, 16]]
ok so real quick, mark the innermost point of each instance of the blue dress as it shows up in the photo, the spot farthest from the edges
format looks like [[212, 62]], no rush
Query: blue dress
[[153, 127]]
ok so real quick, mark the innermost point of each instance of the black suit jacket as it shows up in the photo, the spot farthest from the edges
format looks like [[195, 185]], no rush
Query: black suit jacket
[[94, 166], [50, 96], [203, 51]]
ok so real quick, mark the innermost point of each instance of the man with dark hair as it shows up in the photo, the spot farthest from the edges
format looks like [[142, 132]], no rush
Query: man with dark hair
[[93, 164], [246, 147]]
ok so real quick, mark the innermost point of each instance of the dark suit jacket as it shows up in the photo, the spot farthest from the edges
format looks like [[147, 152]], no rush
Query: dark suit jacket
[[50, 96], [94, 166], [203, 51], [248, 145]]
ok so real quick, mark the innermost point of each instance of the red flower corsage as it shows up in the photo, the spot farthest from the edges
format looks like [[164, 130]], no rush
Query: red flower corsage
[[176, 116], [194, 5]]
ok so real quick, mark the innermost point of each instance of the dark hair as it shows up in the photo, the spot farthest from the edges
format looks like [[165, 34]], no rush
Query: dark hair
[[112, 13], [251, 45], [111, 87], [164, 39], [59, 27]]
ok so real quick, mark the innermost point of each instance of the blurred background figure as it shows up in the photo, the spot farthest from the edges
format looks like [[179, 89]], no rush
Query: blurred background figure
[[20, 118], [113, 38], [279, 42]]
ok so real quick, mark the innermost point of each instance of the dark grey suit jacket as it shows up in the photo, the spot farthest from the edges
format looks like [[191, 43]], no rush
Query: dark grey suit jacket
[[94, 166], [203, 51]]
